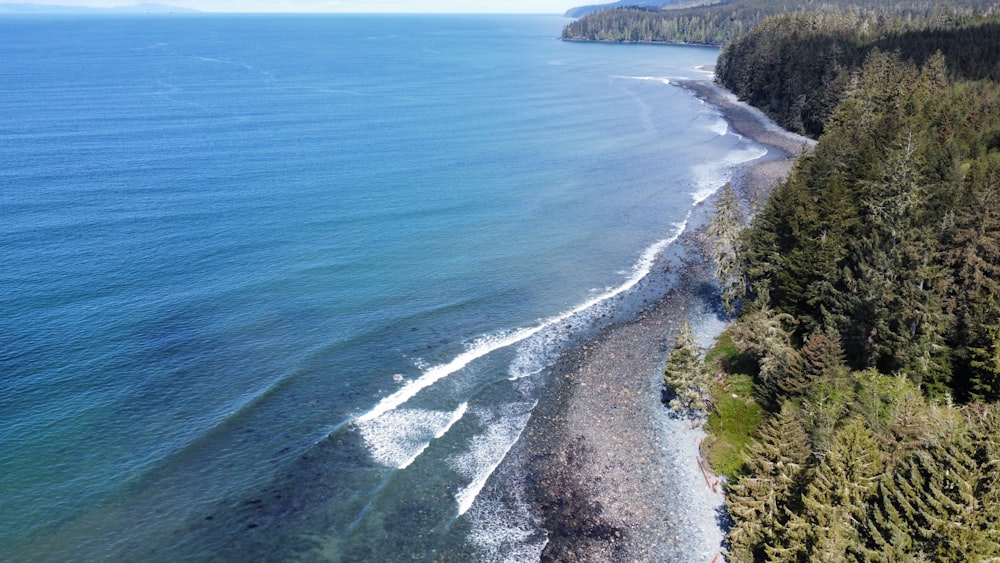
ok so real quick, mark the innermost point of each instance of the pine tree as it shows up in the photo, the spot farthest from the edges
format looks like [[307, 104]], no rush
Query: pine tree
[[938, 500], [899, 275], [821, 355], [774, 474], [685, 373], [764, 336], [984, 427], [725, 229], [838, 214], [826, 527], [975, 260]]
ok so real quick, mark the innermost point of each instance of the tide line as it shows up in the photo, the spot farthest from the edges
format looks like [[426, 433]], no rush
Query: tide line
[[487, 451], [487, 344], [438, 372]]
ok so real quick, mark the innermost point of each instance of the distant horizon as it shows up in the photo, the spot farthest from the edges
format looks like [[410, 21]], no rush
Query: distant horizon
[[297, 6]]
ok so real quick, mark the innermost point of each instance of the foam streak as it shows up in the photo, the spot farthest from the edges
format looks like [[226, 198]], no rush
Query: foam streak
[[486, 453], [436, 373]]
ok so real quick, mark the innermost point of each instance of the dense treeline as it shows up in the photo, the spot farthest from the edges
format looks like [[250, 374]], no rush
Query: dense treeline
[[717, 23], [692, 25], [888, 233], [796, 67], [866, 469], [871, 312]]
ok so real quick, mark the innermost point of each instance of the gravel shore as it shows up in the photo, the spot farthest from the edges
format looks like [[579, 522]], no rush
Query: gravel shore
[[612, 475]]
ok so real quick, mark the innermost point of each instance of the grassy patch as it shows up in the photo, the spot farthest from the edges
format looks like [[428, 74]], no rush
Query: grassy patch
[[723, 353], [735, 415]]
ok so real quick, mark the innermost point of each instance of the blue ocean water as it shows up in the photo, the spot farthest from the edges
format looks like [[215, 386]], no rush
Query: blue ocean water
[[287, 287]]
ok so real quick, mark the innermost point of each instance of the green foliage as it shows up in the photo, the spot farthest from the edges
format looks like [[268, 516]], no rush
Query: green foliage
[[708, 25], [725, 231], [723, 352], [797, 67], [865, 468], [716, 23], [933, 500], [826, 526], [973, 253], [879, 255], [735, 416], [822, 355], [766, 336], [774, 476], [685, 374], [887, 234]]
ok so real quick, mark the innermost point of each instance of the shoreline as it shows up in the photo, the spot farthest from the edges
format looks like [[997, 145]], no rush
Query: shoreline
[[609, 472]]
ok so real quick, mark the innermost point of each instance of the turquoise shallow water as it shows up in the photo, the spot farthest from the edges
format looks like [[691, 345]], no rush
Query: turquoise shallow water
[[280, 286]]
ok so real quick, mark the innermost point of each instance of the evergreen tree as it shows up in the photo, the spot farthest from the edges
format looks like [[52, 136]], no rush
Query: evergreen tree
[[974, 258], [686, 374], [725, 229], [912, 280], [825, 297], [826, 527], [774, 475], [984, 427], [877, 399], [763, 335], [821, 355], [880, 253], [932, 503]]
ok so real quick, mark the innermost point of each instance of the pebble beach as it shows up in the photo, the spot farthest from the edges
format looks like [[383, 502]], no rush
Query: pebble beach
[[612, 475]]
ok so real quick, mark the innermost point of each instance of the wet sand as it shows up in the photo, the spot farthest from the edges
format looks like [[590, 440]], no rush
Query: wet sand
[[612, 475]]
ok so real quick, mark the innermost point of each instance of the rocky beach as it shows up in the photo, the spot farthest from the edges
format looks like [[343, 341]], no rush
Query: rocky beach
[[612, 474]]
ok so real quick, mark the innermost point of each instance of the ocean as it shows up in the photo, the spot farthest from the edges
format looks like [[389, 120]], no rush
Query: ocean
[[288, 287]]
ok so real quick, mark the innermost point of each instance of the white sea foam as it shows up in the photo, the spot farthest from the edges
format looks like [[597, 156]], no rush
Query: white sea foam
[[710, 177], [506, 533], [660, 79], [527, 361], [400, 436], [397, 436], [531, 356], [720, 127], [486, 451], [489, 343], [709, 70], [481, 347]]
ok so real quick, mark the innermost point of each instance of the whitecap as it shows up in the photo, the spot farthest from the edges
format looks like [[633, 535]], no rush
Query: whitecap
[[660, 79], [720, 127], [533, 354]]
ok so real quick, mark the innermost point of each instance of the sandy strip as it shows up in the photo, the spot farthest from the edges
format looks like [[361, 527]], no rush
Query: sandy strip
[[611, 474]]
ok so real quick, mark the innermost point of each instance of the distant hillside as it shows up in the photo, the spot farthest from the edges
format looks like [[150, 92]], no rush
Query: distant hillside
[[581, 11], [55, 9], [718, 23]]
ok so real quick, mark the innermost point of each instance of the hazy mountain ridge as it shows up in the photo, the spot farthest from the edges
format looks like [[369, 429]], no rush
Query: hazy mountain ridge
[[24, 8]]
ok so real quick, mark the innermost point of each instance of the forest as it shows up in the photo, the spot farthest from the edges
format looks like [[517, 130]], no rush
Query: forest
[[866, 290], [796, 67], [710, 22]]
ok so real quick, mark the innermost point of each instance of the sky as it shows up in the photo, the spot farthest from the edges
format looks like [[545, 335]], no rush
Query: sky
[[342, 6]]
